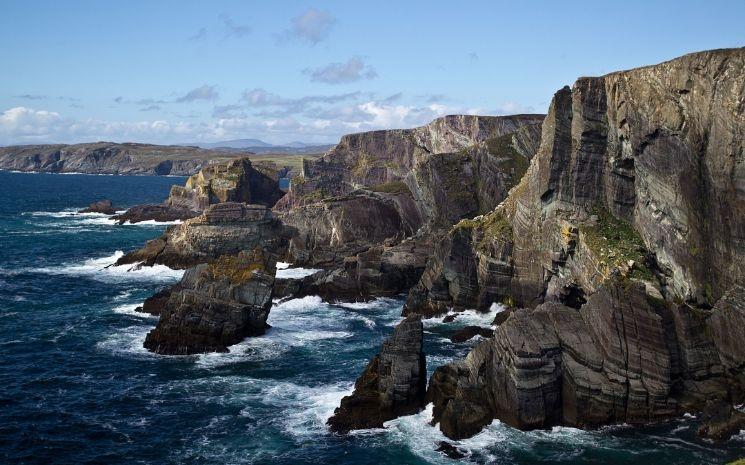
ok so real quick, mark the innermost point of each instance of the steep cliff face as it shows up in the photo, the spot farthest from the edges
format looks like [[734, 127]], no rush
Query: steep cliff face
[[110, 158], [382, 158], [638, 171], [623, 357], [612, 233]]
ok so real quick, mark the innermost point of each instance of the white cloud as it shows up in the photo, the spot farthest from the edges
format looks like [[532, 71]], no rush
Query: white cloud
[[341, 73]]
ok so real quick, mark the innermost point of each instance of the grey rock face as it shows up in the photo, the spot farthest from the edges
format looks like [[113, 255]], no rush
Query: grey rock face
[[233, 181], [326, 232], [393, 384], [222, 229]]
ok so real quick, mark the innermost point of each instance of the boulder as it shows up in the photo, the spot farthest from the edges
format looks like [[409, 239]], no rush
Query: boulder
[[393, 383], [101, 206]]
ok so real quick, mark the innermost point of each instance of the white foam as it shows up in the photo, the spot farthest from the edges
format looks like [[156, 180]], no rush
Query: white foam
[[283, 265], [468, 317], [306, 408], [295, 273], [102, 269], [129, 309]]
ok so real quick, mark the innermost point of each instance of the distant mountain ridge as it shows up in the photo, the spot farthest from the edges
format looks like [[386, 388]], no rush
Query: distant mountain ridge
[[259, 146]]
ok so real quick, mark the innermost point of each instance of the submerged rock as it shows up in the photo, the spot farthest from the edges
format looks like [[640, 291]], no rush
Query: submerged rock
[[216, 305], [101, 206], [393, 383], [721, 421]]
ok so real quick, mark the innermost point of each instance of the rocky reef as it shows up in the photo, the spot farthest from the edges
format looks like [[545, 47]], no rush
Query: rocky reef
[[101, 206], [392, 384], [111, 158]]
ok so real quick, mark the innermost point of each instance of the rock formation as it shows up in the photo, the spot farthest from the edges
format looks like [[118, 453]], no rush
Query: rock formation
[[634, 171], [392, 384], [233, 181], [222, 229], [216, 305], [612, 228], [111, 158], [625, 356], [101, 206]]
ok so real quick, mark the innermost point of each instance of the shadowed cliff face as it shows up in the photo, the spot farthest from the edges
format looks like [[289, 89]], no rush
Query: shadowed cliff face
[[626, 230], [655, 153]]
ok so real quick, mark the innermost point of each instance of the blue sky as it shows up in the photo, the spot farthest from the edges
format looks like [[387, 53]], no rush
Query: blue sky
[[184, 71]]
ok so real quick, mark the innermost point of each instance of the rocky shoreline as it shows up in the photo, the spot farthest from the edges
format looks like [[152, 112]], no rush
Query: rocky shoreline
[[613, 229]]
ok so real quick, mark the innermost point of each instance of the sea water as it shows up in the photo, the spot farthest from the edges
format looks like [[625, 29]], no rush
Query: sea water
[[76, 385]]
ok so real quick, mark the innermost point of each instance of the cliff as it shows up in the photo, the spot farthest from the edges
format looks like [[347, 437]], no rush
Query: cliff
[[111, 158], [626, 230], [638, 171]]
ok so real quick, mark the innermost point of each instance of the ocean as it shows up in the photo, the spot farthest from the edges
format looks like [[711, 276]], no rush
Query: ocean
[[77, 387]]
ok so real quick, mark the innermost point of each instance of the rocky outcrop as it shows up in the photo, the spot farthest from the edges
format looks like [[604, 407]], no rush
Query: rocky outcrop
[[378, 271], [326, 232], [159, 213], [393, 383], [101, 206], [110, 158], [216, 305], [232, 181], [638, 172], [721, 421], [222, 229], [469, 332], [624, 356]]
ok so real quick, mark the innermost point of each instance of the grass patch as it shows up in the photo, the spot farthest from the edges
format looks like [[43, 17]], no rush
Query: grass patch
[[615, 242], [392, 187], [511, 162], [491, 227]]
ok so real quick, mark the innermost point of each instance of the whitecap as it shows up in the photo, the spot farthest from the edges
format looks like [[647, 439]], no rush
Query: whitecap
[[103, 269], [295, 273], [130, 310]]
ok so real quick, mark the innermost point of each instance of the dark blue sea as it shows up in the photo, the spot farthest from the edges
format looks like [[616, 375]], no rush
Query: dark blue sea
[[77, 387]]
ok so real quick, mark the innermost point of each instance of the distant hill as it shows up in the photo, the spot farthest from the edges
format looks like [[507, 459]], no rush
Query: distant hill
[[259, 146]]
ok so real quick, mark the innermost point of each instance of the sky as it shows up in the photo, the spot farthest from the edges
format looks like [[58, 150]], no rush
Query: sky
[[281, 71]]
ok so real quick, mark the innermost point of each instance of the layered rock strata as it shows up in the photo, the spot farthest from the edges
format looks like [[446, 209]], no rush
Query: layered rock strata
[[639, 172], [392, 384], [215, 305], [222, 229], [623, 357]]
